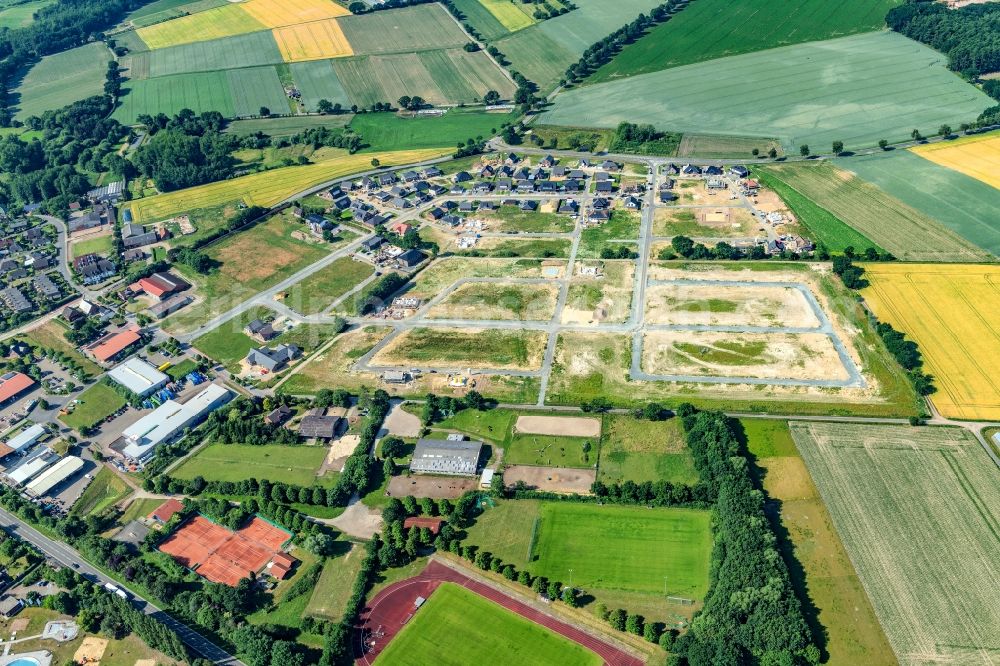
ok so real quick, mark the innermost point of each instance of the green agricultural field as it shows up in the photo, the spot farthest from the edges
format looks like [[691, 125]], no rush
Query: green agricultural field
[[882, 79], [551, 451], [19, 16], [573, 138], [159, 10], [821, 225], [383, 131], [205, 91], [710, 29], [722, 146], [235, 462], [332, 591], [513, 15], [905, 232], [591, 21], [950, 499], [418, 28], [480, 18], [61, 79], [768, 438], [250, 50], [636, 450], [106, 490], [326, 285], [316, 80], [255, 87], [969, 207], [537, 56], [624, 548], [93, 406], [457, 627], [446, 76], [285, 127]]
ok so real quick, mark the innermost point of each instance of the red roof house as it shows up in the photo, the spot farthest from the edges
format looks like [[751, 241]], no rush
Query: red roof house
[[166, 511], [434, 524], [160, 285], [13, 384]]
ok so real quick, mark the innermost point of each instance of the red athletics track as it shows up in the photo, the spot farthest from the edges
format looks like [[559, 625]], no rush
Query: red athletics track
[[393, 607]]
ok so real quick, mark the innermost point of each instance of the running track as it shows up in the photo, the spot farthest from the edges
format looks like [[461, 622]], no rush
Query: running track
[[393, 607]]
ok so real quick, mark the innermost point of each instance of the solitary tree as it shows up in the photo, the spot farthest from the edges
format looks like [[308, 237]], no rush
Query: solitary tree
[[755, 152], [375, 162], [917, 136], [772, 153], [324, 106], [265, 112], [883, 144], [838, 147], [944, 130], [491, 97], [804, 150]]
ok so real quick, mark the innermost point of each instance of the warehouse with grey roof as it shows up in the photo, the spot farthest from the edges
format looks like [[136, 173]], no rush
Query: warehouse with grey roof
[[439, 456]]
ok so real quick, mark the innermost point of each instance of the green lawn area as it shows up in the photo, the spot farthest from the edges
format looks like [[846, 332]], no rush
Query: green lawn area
[[623, 225], [335, 584], [768, 438], [638, 450], [107, 489], [93, 406], [326, 285], [385, 131], [456, 626], [625, 548], [289, 612], [512, 218], [138, 509], [227, 343], [493, 425], [506, 530], [551, 451], [98, 245], [236, 462], [182, 369]]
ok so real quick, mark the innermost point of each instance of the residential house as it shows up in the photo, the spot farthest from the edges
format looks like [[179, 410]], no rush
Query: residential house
[[15, 300], [528, 205], [273, 360], [600, 202], [604, 187], [278, 415], [260, 331], [558, 172], [93, 268], [466, 207], [633, 203], [411, 258], [372, 244], [739, 171], [610, 165], [569, 207], [46, 287], [386, 179], [461, 177], [436, 213], [691, 170], [547, 161], [713, 170], [411, 176], [432, 172], [599, 215]]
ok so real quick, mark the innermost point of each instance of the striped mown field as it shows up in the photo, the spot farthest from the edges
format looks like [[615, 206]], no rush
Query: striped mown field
[[950, 311], [975, 156]]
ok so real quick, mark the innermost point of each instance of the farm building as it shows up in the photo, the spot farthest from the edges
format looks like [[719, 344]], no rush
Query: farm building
[[54, 476], [160, 285], [433, 524], [13, 384], [169, 306], [438, 456], [138, 377], [170, 419], [318, 426]]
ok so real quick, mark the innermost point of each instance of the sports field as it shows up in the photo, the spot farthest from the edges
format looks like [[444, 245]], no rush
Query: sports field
[[975, 156], [236, 462], [949, 311], [926, 549], [61, 79], [625, 548], [312, 41], [214, 23], [710, 29], [967, 206], [904, 231], [886, 86], [456, 627], [383, 131], [269, 187]]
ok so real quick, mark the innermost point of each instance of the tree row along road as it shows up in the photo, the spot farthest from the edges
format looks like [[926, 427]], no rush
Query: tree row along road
[[67, 556]]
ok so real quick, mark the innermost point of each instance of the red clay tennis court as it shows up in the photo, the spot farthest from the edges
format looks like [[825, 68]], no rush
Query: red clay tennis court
[[220, 555]]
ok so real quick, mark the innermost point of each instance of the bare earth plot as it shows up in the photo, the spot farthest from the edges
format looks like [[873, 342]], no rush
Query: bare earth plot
[[926, 550], [569, 426], [464, 348], [680, 303], [497, 301], [885, 86], [603, 300]]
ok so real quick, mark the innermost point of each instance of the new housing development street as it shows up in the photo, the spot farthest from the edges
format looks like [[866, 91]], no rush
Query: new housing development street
[[67, 556]]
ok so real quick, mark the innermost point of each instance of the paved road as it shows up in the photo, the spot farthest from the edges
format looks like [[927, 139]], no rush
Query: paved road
[[67, 556]]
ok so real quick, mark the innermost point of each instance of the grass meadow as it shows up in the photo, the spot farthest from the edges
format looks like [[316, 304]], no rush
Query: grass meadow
[[933, 593], [906, 232], [93, 406], [52, 335], [882, 88], [332, 591], [382, 131], [326, 285], [639, 451], [235, 462], [285, 127], [19, 16], [61, 79], [104, 491], [456, 626], [710, 29]]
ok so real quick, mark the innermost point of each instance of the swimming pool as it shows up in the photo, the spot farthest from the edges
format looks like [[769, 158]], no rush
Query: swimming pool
[[24, 661]]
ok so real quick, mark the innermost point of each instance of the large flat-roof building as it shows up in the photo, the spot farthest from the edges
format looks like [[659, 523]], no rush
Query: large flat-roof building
[[169, 420], [54, 476], [26, 438], [439, 456], [139, 377], [31, 468]]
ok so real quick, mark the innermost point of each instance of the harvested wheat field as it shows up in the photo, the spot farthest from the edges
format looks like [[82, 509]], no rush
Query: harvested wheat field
[[950, 311], [721, 305], [277, 13], [975, 156], [312, 41]]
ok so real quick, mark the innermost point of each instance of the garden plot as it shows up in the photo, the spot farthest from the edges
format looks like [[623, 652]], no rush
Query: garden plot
[[460, 348], [497, 301], [693, 303], [603, 299], [771, 356], [925, 550]]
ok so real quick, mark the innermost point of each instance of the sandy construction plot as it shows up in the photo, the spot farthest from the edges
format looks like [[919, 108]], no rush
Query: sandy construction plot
[[459, 348], [312, 41], [443, 273], [809, 356], [551, 479], [568, 426], [711, 304], [721, 222], [277, 13], [607, 299], [498, 301]]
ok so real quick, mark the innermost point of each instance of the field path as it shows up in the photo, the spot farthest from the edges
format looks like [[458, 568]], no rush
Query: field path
[[388, 612]]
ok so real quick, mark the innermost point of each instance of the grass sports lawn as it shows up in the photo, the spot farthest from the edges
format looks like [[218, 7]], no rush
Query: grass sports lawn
[[326, 285], [822, 225], [639, 451], [52, 335], [61, 79], [200, 27], [971, 155], [269, 187], [464, 348], [836, 605], [905, 232], [383, 131], [719, 28], [882, 84], [18, 16], [107, 489], [950, 499], [332, 591], [458, 627], [965, 205], [948, 311], [93, 406], [236, 462]]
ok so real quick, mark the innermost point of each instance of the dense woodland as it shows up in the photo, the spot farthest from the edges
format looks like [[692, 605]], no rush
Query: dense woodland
[[969, 36]]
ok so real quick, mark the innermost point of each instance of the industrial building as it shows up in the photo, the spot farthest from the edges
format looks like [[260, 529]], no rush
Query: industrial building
[[439, 456], [13, 384], [139, 377], [169, 420], [31, 468], [26, 438], [54, 476]]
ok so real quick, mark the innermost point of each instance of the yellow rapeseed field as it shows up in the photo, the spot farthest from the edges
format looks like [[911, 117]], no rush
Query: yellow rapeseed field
[[509, 14], [975, 156], [950, 311], [200, 27], [269, 187], [278, 13], [312, 41]]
